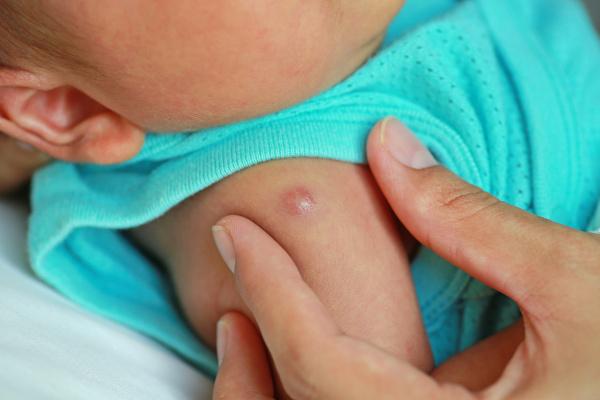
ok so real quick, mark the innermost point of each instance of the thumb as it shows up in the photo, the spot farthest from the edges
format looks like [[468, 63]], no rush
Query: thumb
[[500, 245], [244, 371]]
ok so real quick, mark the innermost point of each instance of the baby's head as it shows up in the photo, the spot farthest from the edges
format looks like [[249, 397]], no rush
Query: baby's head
[[79, 78]]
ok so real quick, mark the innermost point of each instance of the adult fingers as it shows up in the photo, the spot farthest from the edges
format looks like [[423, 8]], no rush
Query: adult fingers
[[506, 248], [312, 356], [292, 320], [270, 283], [244, 371]]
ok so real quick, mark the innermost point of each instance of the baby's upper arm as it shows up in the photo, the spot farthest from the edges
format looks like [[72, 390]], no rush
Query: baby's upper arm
[[332, 220]]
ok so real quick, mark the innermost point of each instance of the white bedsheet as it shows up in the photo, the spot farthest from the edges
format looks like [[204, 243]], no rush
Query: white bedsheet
[[52, 349]]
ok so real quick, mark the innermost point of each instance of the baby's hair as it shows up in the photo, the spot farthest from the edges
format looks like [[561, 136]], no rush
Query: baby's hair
[[28, 35]]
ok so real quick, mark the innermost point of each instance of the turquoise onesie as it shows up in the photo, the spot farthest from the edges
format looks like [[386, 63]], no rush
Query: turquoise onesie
[[506, 93]]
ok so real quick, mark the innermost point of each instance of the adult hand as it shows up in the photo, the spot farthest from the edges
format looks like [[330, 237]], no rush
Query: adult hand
[[552, 272], [18, 162]]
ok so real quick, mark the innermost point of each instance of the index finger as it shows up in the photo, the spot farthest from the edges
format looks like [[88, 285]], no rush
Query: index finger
[[268, 278], [312, 355]]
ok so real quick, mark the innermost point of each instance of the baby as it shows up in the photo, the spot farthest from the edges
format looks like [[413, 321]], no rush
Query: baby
[[502, 92]]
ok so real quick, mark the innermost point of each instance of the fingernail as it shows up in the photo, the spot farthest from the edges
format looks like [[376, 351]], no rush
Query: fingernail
[[404, 146], [222, 335], [225, 246]]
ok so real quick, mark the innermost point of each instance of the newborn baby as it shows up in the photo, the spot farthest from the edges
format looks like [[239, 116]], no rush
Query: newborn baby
[[502, 92]]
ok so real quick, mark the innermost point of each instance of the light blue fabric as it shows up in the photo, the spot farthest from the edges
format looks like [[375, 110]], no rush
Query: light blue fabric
[[595, 224], [505, 93]]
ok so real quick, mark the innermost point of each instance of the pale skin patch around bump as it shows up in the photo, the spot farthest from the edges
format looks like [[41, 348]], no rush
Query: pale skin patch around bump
[[298, 201]]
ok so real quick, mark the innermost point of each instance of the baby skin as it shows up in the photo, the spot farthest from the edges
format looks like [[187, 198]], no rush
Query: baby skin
[[83, 81], [333, 222]]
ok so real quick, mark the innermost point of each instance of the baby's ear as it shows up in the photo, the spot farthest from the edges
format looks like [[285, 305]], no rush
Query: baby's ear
[[62, 121]]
